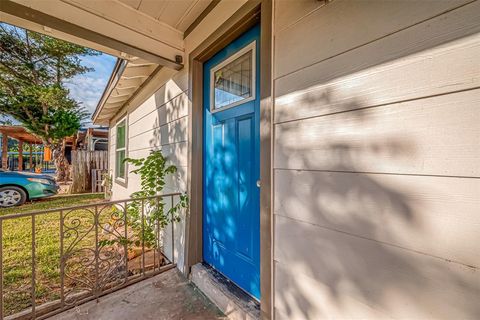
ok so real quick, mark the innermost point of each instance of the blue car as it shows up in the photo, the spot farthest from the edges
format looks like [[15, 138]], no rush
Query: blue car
[[18, 187]]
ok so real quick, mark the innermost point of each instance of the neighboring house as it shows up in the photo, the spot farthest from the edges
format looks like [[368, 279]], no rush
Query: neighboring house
[[92, 139], [330, 150]]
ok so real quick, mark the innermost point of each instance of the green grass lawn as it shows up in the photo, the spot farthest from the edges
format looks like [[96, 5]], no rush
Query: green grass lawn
[[17, 252], [52, 203]]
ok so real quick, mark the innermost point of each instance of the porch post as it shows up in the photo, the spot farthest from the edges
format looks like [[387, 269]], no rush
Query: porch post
[[4, 150], [20, 155], [31, 157], [74, 142], [266, 129]]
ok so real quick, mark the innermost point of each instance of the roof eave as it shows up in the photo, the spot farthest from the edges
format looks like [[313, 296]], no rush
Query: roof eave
[[117, 72]]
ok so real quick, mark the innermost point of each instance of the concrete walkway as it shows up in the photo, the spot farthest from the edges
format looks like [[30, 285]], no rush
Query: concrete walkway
[[167, 296]]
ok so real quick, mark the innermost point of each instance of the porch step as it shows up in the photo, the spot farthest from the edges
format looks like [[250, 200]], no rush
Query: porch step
[[228, 297]]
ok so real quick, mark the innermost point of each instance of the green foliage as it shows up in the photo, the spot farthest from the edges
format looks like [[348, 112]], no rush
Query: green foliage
[[153, 171], [33, 69]]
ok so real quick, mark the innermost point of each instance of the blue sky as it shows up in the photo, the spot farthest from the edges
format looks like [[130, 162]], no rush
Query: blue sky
[[87, 88]]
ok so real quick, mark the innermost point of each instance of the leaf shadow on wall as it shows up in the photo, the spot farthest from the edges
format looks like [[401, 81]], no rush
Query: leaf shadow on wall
[[345, 240], [169, 134]]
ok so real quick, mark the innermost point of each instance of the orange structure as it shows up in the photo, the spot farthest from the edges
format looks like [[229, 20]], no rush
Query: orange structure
[[24, 137], [47, 154]]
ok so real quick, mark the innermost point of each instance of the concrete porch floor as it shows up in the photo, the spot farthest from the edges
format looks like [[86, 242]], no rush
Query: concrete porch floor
[[166, 296]]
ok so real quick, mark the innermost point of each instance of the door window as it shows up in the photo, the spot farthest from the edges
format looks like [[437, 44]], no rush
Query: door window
[[233, 80]]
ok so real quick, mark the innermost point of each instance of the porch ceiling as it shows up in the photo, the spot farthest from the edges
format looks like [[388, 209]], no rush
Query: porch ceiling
[[178, 14]]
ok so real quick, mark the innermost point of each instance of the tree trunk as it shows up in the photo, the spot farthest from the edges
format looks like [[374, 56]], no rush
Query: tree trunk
[[62, 167]]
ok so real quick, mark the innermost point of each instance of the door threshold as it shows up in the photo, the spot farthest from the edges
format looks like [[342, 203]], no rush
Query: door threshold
[[227, 296]]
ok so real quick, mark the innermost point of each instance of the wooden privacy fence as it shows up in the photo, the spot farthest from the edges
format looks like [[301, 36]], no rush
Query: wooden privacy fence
[[88, 166]]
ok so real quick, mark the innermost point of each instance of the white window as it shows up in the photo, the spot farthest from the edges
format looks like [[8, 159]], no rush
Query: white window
[[121, 150], [232, 82]]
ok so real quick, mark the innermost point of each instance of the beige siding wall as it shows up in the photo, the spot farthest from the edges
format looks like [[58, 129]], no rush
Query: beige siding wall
[[159, 123], [377, 159]]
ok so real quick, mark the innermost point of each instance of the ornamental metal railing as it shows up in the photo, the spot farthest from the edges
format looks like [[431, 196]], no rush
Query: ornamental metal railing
[[69, 256]]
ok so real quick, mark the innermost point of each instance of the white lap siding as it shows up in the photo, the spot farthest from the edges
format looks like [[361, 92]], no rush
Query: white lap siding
[[159, 123], [376, 159]]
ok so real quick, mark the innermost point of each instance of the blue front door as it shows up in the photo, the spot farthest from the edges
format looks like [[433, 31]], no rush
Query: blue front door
[[231, 204]]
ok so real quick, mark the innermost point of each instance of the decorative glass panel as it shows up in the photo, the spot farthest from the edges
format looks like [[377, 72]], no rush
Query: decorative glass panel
[[234, 81]]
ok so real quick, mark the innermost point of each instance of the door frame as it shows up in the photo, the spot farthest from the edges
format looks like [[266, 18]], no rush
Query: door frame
[[247, 16]]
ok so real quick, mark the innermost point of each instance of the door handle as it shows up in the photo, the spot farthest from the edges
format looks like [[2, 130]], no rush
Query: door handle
[[259, 183]]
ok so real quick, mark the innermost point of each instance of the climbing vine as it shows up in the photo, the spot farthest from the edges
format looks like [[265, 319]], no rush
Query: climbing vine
[[153, 170]]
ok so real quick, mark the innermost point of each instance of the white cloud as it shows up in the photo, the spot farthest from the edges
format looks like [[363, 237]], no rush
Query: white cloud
[[87, 89]]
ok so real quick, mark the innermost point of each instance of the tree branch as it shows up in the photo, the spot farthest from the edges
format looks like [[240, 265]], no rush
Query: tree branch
[[29, 53], [15, 72]]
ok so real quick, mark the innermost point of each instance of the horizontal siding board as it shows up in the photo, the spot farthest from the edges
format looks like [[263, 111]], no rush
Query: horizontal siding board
[[343, 25], [300, 297], [172, 132], [432, 136], [450, 67], [176, 153], [147, 107], [178, 181], [173, 183], [436, 215], [453, 25], [158, 116], [321, 273], [288, 12]]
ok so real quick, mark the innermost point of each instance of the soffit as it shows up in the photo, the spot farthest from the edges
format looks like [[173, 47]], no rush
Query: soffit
[[178, 14]]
